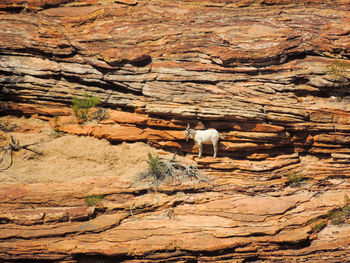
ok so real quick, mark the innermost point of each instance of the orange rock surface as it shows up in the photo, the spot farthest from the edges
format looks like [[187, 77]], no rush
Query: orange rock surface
[[257, 71]]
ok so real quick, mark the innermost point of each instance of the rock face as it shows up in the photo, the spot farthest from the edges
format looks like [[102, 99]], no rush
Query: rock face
[[257, 71]]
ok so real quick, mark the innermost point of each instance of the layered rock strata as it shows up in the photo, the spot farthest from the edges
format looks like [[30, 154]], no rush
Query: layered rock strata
[[258, 71]]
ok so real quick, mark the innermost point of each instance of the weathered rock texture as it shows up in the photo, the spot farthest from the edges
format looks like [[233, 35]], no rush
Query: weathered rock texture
[[255, 70]]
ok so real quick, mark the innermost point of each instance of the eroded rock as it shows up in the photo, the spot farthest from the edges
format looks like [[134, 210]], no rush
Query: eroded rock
[[256, 71]]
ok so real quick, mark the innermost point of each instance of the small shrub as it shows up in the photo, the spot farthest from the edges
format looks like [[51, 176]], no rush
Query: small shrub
[[92, 200], [156, 166], [318, 226], [81, 106], [340, 69], [99, 115], [160, 169], [340, 215], [57, 133], [337, 217], [294, 180], [56, 118], [346, 211], [156, 169]]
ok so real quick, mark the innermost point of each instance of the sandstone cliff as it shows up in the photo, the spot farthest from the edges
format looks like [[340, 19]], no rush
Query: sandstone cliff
[[257, 71]]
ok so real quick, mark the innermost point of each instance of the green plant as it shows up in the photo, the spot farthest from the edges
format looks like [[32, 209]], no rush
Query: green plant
[[337, 217], [318, 226], [156, 167], [340, 215], [92, 200], [81, 106], [340, 70], [294, 180]]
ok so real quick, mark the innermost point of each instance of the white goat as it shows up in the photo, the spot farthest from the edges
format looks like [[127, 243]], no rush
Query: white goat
[[201, 137]]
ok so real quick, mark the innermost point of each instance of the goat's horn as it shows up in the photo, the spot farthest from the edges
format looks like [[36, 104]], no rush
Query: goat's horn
[[188, 126]]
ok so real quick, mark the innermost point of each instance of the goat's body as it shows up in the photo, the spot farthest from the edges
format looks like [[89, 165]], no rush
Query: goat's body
[[201, 137]]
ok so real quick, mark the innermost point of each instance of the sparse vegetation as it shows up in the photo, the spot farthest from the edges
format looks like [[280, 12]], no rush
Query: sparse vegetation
[[156, 167], [81, 106], [340, 215], [318, 226], [294, 180], [341, 70], [56, 118], [92, 200], [337, 216], [57, 133], [159, 170], [99, 115]]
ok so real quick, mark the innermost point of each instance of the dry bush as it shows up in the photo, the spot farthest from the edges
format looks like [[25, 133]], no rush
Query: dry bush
[[160, 170]]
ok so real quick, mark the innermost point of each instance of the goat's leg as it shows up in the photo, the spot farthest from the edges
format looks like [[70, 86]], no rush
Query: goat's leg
[[215, 146], [200, 148]]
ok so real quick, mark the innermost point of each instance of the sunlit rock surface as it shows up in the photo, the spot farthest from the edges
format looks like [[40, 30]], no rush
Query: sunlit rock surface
[[257, 71]]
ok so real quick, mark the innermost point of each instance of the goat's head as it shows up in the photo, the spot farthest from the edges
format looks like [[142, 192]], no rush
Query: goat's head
[[187, 133]]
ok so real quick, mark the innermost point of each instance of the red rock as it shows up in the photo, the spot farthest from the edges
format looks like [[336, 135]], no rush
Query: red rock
[[126, 117], [257, 72], [258, 127], [257, 156], [76, 129], [25, 217], [80, 213], [285, 118], [230, 146], [29, 129], [332, 139], [118, 133], [174, 123], [31, 109], [161, 144], [253, 136], [163, 134], [342, 117], [127, 2], [321, 116], [55, 215]]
